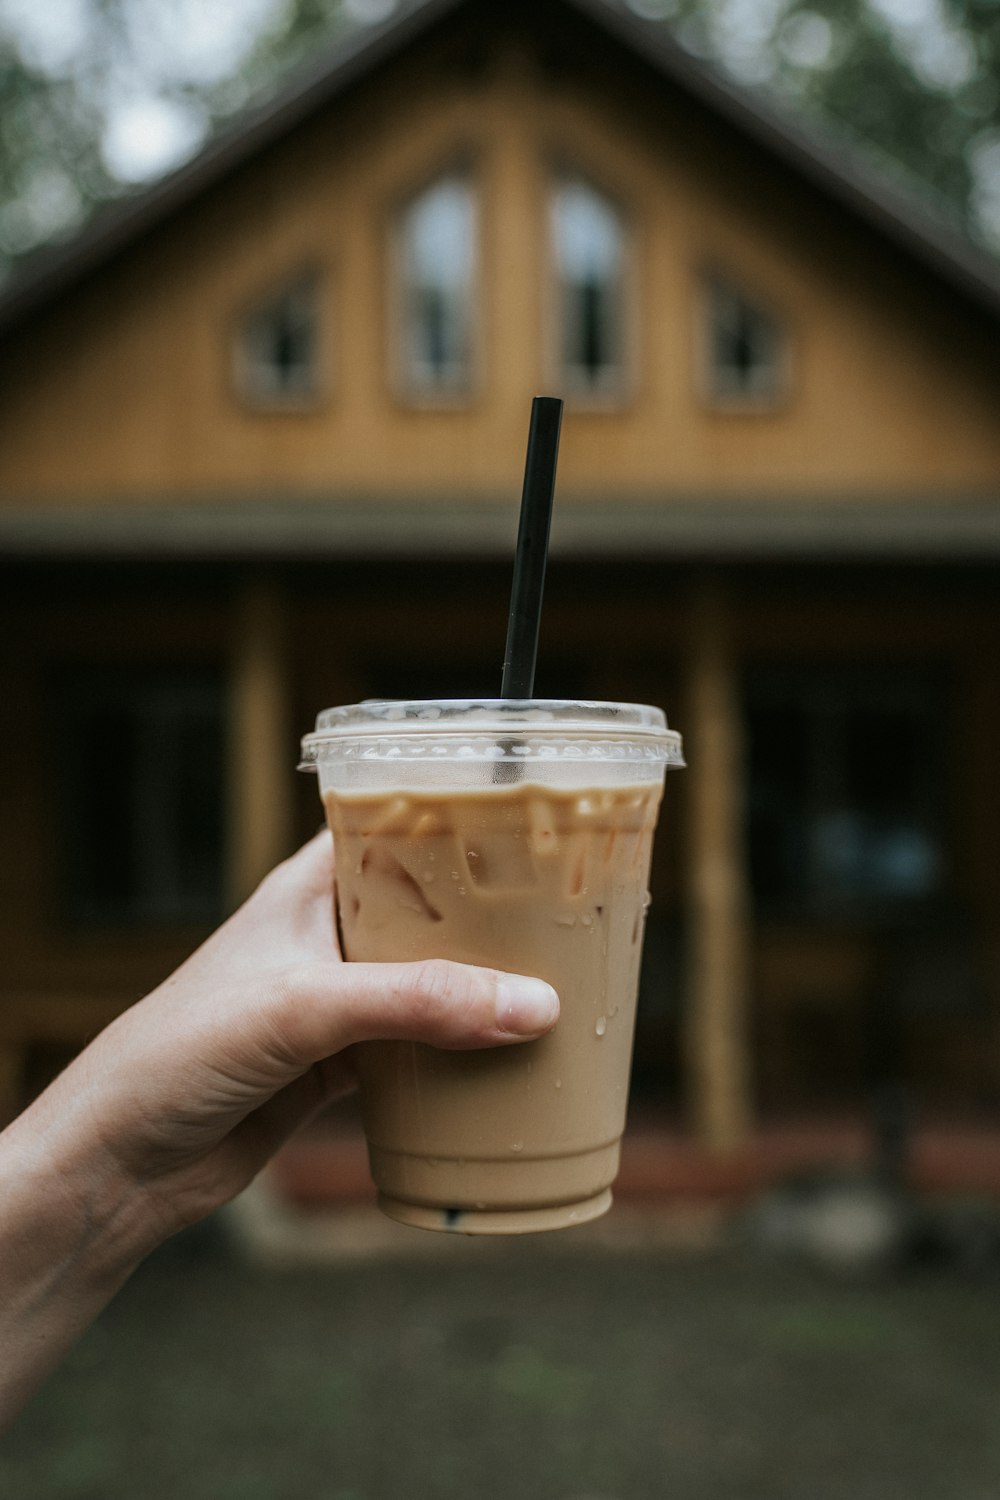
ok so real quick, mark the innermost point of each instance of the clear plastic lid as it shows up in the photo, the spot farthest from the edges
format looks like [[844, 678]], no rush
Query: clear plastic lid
[[494, 729]]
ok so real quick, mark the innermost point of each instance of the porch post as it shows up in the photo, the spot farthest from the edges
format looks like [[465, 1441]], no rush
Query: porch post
[[261, 749], [717, 1024]]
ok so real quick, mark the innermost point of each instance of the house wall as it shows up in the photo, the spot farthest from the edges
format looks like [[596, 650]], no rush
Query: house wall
[[124, 389]]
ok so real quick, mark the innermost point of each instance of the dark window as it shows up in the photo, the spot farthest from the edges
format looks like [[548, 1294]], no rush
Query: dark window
[[142, 796], [588, 241], [278, 346], [845, 793], [427, 678], [746, 347], [477, 677]]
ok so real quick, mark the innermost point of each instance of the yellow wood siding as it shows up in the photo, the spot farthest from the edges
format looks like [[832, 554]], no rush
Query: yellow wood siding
[[125, 391]]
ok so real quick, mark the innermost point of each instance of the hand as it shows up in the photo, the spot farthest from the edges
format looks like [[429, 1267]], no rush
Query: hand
[[192, 1090], [177, 1105]]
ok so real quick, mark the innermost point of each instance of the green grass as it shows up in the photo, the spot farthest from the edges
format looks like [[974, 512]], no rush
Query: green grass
[[500, 1372]]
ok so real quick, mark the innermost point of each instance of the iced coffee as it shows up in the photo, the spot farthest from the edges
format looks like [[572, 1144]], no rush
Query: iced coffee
[[535, 861]]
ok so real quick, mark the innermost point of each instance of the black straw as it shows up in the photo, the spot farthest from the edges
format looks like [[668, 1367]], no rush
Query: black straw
[[532, 548]]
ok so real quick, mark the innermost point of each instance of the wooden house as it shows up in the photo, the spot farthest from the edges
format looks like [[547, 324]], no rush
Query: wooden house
[[261, 436]]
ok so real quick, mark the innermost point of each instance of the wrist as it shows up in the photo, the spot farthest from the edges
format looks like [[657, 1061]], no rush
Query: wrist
[[70, 1234], [71, 1216]]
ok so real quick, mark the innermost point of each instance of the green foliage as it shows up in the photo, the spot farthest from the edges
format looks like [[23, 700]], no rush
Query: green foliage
[[300, 30], [923, 118], [60, 96], [51, 170]]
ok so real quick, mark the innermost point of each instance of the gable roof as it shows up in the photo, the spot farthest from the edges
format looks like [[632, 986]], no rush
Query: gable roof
[[828, 169]]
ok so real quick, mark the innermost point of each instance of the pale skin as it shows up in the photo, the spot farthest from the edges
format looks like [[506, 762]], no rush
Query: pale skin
[[180, 1102]]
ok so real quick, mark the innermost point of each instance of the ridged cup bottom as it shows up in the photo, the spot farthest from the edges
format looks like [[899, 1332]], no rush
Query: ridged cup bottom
[[496, 1221]]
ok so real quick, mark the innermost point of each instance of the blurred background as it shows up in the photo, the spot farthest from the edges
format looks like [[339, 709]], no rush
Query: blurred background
[[280, 278]]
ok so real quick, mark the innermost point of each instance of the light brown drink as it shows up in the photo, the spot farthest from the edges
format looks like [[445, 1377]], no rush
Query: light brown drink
[[535, 880]]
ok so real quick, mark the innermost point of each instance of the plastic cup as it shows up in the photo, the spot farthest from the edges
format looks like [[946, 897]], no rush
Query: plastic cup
[[514, 834]]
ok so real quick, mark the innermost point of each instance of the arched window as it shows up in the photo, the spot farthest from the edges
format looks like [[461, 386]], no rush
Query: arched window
[[277, 354], [437, 254], [746, 347], [588, 248]]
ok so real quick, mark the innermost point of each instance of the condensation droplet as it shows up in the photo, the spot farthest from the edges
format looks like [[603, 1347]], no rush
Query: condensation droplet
[[517, 1145], [357, 869], [587, 920], [565, 919], [602, 1025], [558, 1083], [454, 874]]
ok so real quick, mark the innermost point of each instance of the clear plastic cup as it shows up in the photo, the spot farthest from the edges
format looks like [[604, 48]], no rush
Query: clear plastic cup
[[516, 835]]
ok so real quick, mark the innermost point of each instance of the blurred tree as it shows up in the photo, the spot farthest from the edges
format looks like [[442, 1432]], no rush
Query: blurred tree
[[98, 95], [51, 169], [912, 84]]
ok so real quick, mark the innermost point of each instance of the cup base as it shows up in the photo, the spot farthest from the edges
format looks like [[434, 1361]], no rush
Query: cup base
[[495, 1221]]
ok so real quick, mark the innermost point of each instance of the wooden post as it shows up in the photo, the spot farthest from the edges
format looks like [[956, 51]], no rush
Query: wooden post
[[261, 747], [717, 1043]]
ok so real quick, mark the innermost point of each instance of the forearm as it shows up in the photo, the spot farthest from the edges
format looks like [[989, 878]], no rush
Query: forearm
[[71, 1232]]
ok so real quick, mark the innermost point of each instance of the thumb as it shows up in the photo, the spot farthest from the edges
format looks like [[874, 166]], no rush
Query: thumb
[[329, 1006]]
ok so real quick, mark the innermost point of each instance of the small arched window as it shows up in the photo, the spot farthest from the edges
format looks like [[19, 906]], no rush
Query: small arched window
[[277, 354], [437, 270], [746, 347], [588, 249]]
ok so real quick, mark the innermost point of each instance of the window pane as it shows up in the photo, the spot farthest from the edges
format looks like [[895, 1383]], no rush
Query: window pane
[[279, 344], [778, 800], [142, 796], [874, 839], [458, 675], [744, 346], [97, 806], [438, 253], [844, 793], [589, 250]]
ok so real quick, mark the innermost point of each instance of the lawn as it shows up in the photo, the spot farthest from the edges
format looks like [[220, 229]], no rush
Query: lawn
[[497, 1371]]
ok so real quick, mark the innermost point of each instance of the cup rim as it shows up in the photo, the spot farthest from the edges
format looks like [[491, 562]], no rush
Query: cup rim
[[546, 718]]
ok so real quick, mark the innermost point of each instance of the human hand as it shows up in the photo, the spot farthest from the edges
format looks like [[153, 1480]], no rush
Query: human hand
[[192, 1090], [179, 1102]]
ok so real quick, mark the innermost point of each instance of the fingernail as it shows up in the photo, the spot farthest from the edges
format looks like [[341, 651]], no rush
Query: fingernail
[[525, 1006]]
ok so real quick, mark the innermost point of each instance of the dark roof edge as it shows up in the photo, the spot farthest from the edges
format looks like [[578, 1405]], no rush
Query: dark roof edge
[[854, 185], [952, 529]]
